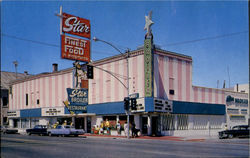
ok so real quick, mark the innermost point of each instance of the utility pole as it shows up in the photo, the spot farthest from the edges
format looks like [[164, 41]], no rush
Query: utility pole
[[126, 55]]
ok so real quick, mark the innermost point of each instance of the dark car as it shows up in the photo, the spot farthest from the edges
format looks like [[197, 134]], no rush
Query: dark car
[[236, 131], [8, 130], [38, 129]]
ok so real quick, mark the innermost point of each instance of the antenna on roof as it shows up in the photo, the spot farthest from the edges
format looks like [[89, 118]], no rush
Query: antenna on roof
[[228, 76], [16, 64]]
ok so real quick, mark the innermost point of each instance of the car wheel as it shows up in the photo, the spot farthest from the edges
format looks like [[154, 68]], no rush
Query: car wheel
[[230, 136], [29, 134], [49, 134]]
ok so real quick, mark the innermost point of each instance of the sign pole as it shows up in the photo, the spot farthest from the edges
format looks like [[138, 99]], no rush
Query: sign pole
[[128, 91]]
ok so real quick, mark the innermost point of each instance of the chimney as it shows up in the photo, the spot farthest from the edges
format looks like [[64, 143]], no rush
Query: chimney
[[224, 84], [237, 87], [26, 73], [55, 67]]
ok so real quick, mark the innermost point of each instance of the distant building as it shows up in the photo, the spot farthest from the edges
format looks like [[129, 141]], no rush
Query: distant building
[[244, 88], [7, 77]]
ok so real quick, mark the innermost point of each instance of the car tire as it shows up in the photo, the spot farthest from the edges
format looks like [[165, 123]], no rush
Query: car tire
[[50, 134], [230, 136], [29, 133]]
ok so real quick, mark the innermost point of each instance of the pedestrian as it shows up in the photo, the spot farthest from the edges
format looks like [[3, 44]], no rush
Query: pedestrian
[[134, 133], [118, 128], [101, 128], [65, 122], [225, 128], [107, 125], [126, 129]]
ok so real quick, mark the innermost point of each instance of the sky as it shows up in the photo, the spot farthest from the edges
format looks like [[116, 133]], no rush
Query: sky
[[213, 33]]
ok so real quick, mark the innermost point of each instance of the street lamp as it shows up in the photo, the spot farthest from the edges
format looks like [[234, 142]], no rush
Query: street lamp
[[126, 57]]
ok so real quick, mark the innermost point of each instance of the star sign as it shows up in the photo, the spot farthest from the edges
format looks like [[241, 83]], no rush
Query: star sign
[[148, 23]]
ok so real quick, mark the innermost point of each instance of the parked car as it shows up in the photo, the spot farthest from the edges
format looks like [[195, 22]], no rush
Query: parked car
[[38, 129], [65, 130], [8, 130], [236, 131]]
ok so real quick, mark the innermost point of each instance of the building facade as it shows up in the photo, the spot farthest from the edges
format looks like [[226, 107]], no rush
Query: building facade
[[168, 103], [6, 77]]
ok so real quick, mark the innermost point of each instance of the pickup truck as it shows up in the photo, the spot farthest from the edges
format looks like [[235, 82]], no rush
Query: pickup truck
[[38, 129], [65, 130]]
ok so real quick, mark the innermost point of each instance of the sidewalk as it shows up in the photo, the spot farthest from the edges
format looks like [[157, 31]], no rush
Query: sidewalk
[[170, 138]]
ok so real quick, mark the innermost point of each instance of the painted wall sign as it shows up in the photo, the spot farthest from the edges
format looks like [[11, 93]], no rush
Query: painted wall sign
[[76, 26], [75, 49], [148, 67]]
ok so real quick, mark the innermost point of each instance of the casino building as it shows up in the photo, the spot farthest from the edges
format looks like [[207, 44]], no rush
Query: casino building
[[168, 103]]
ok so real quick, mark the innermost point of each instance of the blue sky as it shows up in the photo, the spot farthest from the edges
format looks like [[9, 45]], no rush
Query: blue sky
[[122, 24]]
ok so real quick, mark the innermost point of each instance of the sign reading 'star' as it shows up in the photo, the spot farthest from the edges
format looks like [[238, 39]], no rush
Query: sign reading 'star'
[[78, 96]]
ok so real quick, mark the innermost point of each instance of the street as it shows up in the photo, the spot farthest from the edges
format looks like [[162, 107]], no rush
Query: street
[[23, 146]]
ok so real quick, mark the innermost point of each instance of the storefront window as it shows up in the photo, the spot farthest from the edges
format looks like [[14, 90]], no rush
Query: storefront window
[[168, 122], [24, 123], [182, 122], [34, 122], [200, 122]]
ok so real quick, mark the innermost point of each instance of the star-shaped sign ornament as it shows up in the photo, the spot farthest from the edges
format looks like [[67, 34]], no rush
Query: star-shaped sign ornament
[[148, 23]]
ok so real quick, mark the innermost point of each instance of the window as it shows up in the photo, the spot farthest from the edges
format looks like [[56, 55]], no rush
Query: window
[[171, 86], [27, 99], [168, 122], [37, 102], [5, 101], [182, 122]]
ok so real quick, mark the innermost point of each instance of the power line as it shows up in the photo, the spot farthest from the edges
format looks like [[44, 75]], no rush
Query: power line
[[170, 44], [28, 40], [203, 39]]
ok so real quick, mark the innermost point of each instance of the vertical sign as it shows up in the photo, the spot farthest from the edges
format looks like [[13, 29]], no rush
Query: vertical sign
[[148, 67]]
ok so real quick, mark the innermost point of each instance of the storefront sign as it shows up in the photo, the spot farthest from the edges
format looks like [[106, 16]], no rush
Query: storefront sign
[[13, 113], [75, 49], [148, 67], [52, 111], [75, 25], [77, 96], [231, 99]]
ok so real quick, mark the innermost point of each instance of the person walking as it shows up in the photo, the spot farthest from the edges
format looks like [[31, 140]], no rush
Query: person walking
[[133, 130], [118, 128], [126, 129]]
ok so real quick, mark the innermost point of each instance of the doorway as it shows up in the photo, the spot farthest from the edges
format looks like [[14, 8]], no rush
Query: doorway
[[79, 123], [154, 126], [144, 125]]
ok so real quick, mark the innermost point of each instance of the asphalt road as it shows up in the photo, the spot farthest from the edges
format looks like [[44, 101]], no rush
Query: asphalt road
[[23, 146]]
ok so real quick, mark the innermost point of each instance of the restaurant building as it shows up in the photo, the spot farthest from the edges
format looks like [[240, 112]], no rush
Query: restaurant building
[[168, 103]]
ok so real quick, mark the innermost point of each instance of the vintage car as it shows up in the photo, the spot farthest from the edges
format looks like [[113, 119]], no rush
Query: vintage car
[[65, 130], [38, 129], [8, 130], [236, 131]]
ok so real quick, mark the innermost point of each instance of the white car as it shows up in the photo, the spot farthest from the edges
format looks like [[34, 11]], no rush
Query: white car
[[65, 130]]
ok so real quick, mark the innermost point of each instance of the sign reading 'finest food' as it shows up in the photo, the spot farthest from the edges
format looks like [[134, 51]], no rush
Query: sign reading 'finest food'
[[75, 48]]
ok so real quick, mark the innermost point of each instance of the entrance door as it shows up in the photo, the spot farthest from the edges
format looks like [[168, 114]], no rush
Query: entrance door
[[144, 125], [79, 123], [155, 126], [88, 124]]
